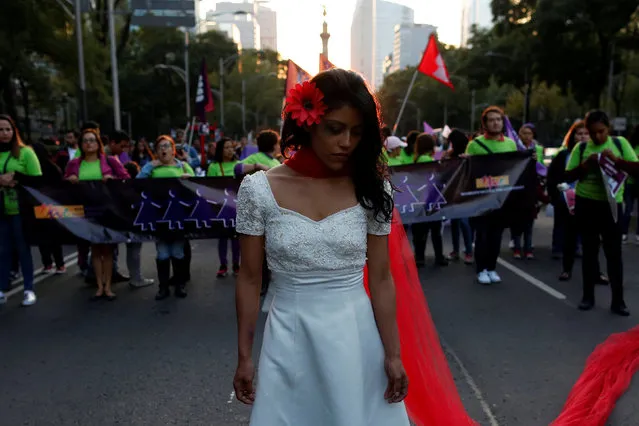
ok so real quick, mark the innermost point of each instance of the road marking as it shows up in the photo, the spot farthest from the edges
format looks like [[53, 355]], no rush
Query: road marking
[[532, 280], [69, 260], [473, 386], [231, 397]]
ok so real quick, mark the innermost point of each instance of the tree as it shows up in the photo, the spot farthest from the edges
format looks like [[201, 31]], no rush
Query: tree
[[582, 34]]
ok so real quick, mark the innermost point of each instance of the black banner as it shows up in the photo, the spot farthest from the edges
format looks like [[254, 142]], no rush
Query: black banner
[[146, 209]]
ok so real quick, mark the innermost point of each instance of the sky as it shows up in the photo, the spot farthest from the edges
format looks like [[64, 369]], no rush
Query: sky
[[299, 23]]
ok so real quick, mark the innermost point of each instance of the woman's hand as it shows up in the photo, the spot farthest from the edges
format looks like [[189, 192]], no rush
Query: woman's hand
[[185, 176], [243, 382], [397, 380], [609, 154], [73, 179], [262, 167], [7, 180], [106, 178], [155, 163]]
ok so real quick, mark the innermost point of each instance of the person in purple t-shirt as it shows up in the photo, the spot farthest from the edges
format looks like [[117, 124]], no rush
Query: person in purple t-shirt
[[244, 149], [119, 144]]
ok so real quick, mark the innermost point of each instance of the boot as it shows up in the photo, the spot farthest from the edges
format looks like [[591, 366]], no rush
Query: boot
[[187, 261], [179, 276], [164, 274]]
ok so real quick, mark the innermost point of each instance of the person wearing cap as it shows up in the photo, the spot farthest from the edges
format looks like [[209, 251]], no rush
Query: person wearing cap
[[394, 146]]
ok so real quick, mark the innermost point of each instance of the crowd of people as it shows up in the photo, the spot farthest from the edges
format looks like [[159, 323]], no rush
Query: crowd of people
[[89, 154]]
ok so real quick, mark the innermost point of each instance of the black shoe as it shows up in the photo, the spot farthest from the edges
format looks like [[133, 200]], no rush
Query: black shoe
[[620, 310], [179, 275], [420, 263], [163, 293], [586, 305], [164, 272], [441, 262], [119, 278]]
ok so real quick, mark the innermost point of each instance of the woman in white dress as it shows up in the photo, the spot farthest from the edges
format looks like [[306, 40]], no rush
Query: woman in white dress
[[330, 354]]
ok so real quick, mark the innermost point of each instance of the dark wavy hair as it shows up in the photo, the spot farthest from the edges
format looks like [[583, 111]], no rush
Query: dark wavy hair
[[218, 157], [368, 170]]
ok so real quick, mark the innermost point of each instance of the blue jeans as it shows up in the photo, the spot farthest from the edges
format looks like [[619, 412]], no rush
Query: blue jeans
[[525, 228], [12, 239], [463, 225], [223, 249], [169, 249]]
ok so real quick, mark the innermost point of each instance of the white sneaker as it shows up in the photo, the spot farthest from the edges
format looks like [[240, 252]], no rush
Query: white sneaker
[[511, 244], [624, 238], [637, 238], [494, 277], [29, 298], [144, 283], [483, 277], [3, 298]]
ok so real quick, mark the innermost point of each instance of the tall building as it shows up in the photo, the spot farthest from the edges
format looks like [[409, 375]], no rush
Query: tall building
[[409, 44], [257, 26], [226, 13], [267, 19], [372, 36], [475, 12], [228, 28]]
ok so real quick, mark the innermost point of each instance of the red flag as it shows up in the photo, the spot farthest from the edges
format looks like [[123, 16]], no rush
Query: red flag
[[432, 63], [203, 95], [294, 76], [324, 63]]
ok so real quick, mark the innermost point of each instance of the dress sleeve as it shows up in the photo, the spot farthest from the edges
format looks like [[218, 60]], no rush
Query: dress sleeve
[[250, 210], [377, 225]]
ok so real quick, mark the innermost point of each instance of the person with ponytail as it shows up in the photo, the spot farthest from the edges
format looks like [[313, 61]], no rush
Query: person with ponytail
[[341, 340], [15, 157]]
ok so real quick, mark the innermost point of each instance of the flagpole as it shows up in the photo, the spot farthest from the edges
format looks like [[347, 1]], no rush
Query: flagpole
[[401, 110]]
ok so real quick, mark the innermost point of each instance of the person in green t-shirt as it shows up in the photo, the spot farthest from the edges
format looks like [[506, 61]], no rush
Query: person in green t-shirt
[[424, 151], [489, 227], [393, 148], [593, 210], [15, 157], [169, 251], [268, 145], [223, 165], [93, 165], [407, 155], [631, 193]]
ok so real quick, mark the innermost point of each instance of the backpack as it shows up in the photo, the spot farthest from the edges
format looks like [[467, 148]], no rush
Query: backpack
[[582, 148]]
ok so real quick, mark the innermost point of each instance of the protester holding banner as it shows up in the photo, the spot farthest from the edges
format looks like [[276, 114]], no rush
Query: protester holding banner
[[408, 153], [169, 251], [598, 205], [268, 145], [458, 143], [93, 164], [15, 157], [223, 165], [393, 146], [424, 152], [490, 227], [50, 251]]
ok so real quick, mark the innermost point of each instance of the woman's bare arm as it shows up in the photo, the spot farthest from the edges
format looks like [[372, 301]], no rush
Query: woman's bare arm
[[247, 293], [383, 294]]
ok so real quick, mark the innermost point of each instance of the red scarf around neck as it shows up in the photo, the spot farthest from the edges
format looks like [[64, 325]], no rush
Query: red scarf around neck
[[307, 163]]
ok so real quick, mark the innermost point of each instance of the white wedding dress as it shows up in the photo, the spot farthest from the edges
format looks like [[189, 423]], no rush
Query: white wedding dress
[[322, 360]]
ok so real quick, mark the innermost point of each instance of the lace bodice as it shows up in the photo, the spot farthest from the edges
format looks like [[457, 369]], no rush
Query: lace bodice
[[295, 243]]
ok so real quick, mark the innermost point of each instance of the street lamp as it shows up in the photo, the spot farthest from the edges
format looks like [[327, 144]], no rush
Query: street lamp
[[527, 82], [185, 77]]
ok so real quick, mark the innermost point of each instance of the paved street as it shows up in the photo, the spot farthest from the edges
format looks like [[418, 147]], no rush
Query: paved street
[[515, 348]]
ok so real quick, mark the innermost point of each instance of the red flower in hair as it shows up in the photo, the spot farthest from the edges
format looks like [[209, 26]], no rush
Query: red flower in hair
[[305, 104]]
